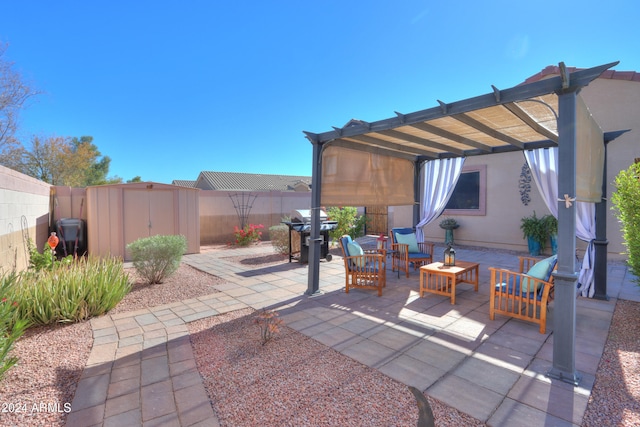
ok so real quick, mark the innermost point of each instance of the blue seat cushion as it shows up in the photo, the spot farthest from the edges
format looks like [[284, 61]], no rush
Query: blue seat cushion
[[345, 243], [552, 266], [418, 255], [402, 230], [518, 289], [370, 267]]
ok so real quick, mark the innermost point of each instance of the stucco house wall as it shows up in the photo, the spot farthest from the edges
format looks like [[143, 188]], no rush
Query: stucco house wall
[[500, 226]]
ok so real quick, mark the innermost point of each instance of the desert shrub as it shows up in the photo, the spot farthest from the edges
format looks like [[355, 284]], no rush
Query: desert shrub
[[157, 257], [70, 293], [248, 235], [348, 222], [10, 328], [626, 201], [269, 324], [280, 238]]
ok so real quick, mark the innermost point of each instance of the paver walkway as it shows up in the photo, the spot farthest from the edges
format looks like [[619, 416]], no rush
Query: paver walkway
[[141, 370]]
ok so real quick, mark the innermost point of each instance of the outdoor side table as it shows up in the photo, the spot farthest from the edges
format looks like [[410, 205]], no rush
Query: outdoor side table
[[439, 279]]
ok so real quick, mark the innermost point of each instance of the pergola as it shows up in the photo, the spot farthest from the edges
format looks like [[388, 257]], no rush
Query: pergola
[[388, 155]]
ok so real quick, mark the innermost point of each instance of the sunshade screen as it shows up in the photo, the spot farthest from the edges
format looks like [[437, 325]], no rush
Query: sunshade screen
[[589, 155], [359, 178]]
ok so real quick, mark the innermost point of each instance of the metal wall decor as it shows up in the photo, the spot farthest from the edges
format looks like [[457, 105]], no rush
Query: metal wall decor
[[524, 184]]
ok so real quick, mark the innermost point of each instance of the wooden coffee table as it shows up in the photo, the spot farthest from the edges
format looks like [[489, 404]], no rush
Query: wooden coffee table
[[441, 280]]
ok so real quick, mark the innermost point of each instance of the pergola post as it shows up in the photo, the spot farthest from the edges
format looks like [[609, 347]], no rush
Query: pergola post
[[600, 243], [313, 285], [566, 278]]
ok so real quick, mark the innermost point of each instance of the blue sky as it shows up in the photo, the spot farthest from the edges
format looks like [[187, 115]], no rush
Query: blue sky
[[171, 88]]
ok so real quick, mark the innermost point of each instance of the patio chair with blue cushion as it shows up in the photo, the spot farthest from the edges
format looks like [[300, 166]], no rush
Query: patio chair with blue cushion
[[406, 250], [363, 269], [523, 296]]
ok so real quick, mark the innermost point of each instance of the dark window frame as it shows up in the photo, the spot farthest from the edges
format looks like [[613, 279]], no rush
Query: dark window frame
[[482, 193]]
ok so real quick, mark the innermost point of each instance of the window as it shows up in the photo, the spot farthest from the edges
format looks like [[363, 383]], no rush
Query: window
[[469, 196]]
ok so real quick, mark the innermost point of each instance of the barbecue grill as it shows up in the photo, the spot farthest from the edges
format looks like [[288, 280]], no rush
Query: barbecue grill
[[300, 224]]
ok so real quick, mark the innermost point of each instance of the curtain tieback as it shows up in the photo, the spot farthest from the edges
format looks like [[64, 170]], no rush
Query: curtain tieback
[[567, 201]]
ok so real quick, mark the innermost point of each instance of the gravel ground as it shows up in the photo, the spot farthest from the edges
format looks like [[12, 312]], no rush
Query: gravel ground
[[251, 384], [615, 399]]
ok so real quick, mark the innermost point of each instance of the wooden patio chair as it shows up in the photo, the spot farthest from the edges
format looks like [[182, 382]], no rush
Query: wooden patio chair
[[523, 296], [363, 269], [406, 250]]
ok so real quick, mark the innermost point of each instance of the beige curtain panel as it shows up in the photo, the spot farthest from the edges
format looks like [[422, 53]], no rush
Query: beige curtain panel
[[358, 178], [589, 155]]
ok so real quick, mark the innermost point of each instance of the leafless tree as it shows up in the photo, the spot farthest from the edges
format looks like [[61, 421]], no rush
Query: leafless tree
[[14, 92]]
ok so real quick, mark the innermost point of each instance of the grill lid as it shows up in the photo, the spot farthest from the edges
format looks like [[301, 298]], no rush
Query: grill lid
[[304, 215]]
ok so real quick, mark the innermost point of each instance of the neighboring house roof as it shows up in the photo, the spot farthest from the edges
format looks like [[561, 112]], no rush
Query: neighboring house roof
[[252, 182], [608, 74], [184, 183]]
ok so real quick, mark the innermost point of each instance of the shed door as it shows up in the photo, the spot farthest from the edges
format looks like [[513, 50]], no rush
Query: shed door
[[147, 213]]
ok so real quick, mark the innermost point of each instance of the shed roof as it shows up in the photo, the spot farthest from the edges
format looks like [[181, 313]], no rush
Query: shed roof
[[184, 183], [239, 181]]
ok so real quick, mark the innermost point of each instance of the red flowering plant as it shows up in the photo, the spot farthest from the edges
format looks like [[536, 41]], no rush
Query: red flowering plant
[[249, 234]]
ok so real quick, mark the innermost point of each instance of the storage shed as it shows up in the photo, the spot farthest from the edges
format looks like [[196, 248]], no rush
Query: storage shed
[[119, 214]]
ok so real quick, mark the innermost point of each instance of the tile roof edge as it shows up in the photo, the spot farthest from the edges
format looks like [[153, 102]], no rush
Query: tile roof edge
[[608, 74]]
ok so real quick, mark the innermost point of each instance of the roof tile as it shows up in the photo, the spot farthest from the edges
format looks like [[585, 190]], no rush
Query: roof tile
[[239, 181], [608, 74]]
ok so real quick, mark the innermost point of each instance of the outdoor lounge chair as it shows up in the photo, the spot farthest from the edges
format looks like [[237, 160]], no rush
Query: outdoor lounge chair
[[523, 296], [406, 250], [364, 270]]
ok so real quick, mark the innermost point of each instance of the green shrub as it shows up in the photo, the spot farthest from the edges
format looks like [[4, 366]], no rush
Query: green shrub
[[348, 222], [626, 201], [536, 228], [157, 257], [39, 261], [551, 224], [280, 238], [85, 288], [10, 328]]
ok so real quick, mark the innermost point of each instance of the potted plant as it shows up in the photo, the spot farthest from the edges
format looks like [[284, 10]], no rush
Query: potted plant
[[449, 224], [535, 231], [551, 224]]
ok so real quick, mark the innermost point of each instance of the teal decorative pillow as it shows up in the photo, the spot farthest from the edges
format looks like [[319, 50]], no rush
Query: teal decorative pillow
[[355, 250], [409, 239], [540, 270]]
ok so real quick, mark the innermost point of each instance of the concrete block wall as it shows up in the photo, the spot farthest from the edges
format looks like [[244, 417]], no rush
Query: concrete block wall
[[24, 215], [218, 217]]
